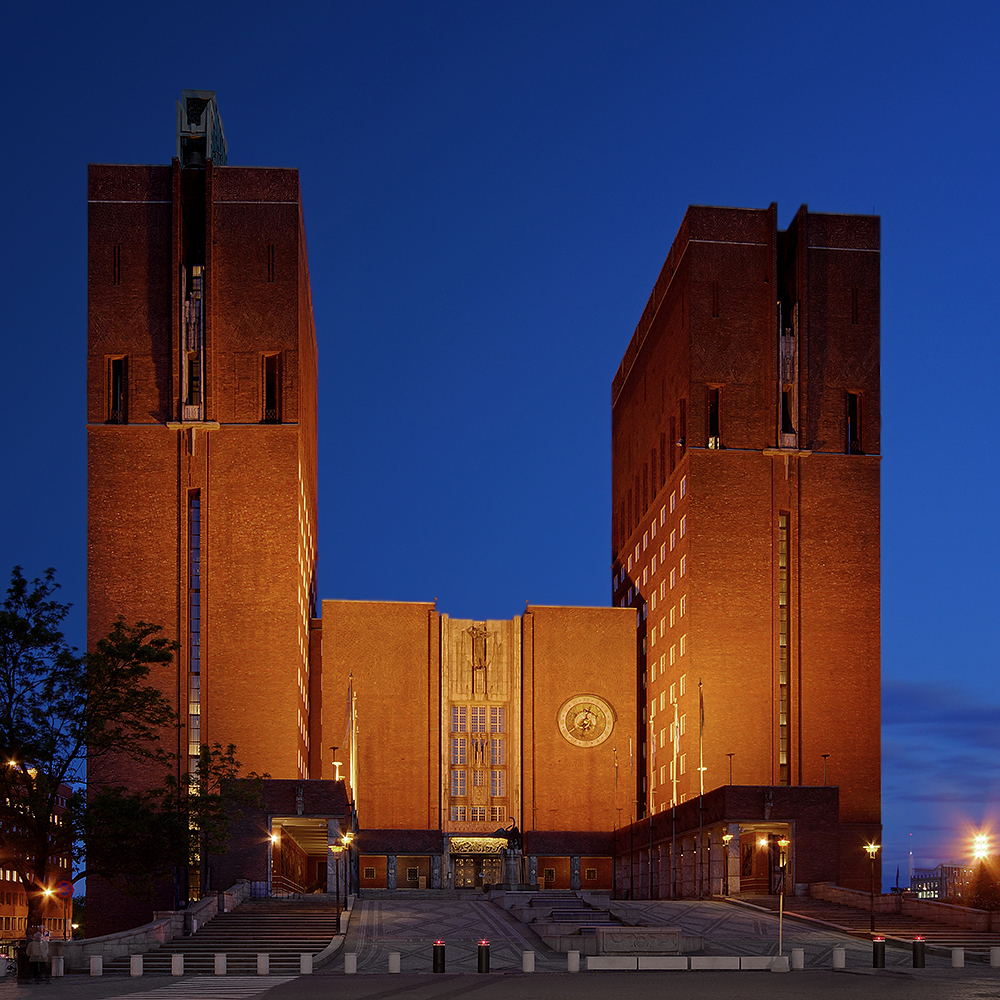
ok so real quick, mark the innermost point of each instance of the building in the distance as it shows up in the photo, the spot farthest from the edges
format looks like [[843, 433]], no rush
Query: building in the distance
[[745, 531]]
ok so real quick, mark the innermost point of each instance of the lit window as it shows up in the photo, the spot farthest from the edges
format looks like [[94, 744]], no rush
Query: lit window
[[652, 529], [673, 502], [652, 705], [652, 638], [458, 782], [630, 564], [645, 611], [457, 816], [684, 525], [636, 551], [673, 615], [663, 774], [645, 540], [478, 724], [663, 552], [663, 514], [673, 540], [684, 605], [684, 721], [684, 765], [673, 578], [458, 750], [478, 779], [645, 575], [684, 649], [498, 784], [652, 565], [684, 677], [590, 875], [684, 486], [663, 741], [673, 694], [663, 622], [654, 597], [498, 814], [663, 695], [673, 659], [663, 589], [684, 565], [498, 717], [458, 720], [478, 814]]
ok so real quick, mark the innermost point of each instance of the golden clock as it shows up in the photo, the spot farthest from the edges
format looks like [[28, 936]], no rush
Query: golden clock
[[586, 720]]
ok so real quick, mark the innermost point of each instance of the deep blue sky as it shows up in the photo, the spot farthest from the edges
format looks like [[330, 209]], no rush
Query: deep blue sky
[[490, 191]]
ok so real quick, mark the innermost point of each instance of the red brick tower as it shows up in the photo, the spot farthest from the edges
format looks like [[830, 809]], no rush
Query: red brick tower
[[201, 426], [745, 521]]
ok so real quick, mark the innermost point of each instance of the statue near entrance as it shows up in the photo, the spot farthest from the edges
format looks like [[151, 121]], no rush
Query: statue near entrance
[[513, 860]]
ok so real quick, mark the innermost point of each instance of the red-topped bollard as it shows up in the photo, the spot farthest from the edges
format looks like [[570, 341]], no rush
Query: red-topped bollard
[[484, 956], [878, 953], [919, 952], [438, 960]]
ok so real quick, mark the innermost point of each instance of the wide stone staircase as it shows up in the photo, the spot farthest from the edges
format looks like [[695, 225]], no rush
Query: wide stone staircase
[[856, 921], [283, 928]]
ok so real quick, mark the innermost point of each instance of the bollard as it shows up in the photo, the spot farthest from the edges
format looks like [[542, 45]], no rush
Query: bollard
[[527, 961], [919, 953], [263, 963], [438, 960], [394, 961], [878, 953], [58, 967], [484, 956], [840, 958], [350, 963], [798, 958], [135, 965], [220, 963], [305, 963], [958, 958], [96, 965], [995, 958], [572, 961], [177, 965]]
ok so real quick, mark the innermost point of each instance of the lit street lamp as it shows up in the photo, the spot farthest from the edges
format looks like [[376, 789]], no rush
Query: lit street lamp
[[783, 845], [872, 848], [726, 838], [980, 847]]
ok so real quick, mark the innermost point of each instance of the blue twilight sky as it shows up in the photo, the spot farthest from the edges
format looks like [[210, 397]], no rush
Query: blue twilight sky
[[490, 191]]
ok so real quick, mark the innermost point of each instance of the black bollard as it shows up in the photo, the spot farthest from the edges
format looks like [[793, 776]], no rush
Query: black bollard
[[484, 956], [878, 953], [919, 953], [438, 965]]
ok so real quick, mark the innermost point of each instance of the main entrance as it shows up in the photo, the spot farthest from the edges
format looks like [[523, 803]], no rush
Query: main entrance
[[475, 871]]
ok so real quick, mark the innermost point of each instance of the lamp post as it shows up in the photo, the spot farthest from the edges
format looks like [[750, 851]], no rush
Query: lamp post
[[825, 756], [730, 756], [872, 848], [783, 847], [726, 838]]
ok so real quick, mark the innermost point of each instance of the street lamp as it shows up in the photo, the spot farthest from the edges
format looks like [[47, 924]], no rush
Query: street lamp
[[726, 838], [872, 848], [783, 845], [980, 847]]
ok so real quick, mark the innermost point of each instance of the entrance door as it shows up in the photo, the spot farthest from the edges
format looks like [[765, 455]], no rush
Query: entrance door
[[491, 870], [465, 873]]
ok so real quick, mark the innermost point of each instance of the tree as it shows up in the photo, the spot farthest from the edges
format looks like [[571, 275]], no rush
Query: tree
[[984, 894], [58, 708]]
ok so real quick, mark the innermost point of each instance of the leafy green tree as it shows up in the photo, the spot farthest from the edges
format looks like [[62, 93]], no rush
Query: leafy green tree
[[984, 894], [57, 708]]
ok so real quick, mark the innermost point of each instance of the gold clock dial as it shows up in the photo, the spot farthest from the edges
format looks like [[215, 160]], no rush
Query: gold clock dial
[[586, 720]]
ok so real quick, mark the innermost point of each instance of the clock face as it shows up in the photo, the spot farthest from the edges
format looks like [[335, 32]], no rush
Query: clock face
[[586, 720]]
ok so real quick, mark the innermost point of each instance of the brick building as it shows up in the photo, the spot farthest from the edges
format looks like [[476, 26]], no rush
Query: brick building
[[746, 516]]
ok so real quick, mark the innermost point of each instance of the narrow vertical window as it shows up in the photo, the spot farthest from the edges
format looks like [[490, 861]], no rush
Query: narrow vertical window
[[714, 404], [270, 262], [117, 391], [787, 404], [272, 389], [784, 768], [116, 264], [194, 628], [193, 379], [652, 471], [854, 424]]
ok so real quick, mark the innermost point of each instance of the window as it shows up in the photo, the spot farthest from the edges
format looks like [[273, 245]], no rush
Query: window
[[645, 540], [272, 389], [636, 551], [663, 738], [663, 552], [193, 380], [684, 765], [549, 874], [457, 814], [673, 539], [673, 660], [654, 599], [684, 677], [652, 565], [630, 564], [684, 720], [117, 391], [662, 696], [673, 695], [684, 486], [652, 638], [663, 589], [498, 784], [412, 874], [853, 424], [684, 649], [673, 615], [498, 752], [458, 750], [673, 578], [673, 501], [478, 814], [645, 575], [663, 774], [673, 445], [663, 622], [684, 605], [369, 872], [498, 814], [652, 705], [458, 782], [478, 779], [682, 428], [652, 529], [457, 719], [684, 525], [714, 403], [497, 716], [478, 723], [684, 565], [663, 514], [590, 875]]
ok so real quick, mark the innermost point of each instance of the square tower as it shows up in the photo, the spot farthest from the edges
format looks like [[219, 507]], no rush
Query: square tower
[[745, 524]]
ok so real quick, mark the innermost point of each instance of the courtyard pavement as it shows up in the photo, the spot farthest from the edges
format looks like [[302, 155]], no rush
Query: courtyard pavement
[[381, 926]]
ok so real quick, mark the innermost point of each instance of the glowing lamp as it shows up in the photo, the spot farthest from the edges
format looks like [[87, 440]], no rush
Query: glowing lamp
[[484, 942], [762, 843]]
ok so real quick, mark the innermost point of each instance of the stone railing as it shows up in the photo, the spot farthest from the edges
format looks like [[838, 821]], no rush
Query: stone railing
[[896, 902], [165, 926]]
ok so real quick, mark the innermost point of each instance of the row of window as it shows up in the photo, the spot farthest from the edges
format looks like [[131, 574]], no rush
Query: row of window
[[117, 383], [475, 814], [498, 782], [473, 719], [497, 748]]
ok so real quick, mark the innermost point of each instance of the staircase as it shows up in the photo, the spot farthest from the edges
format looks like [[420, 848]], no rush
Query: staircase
[[856, 921], [284, 928]]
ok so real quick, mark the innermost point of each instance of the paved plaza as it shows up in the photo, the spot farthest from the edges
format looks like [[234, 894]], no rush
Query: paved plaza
[[382, 926]]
